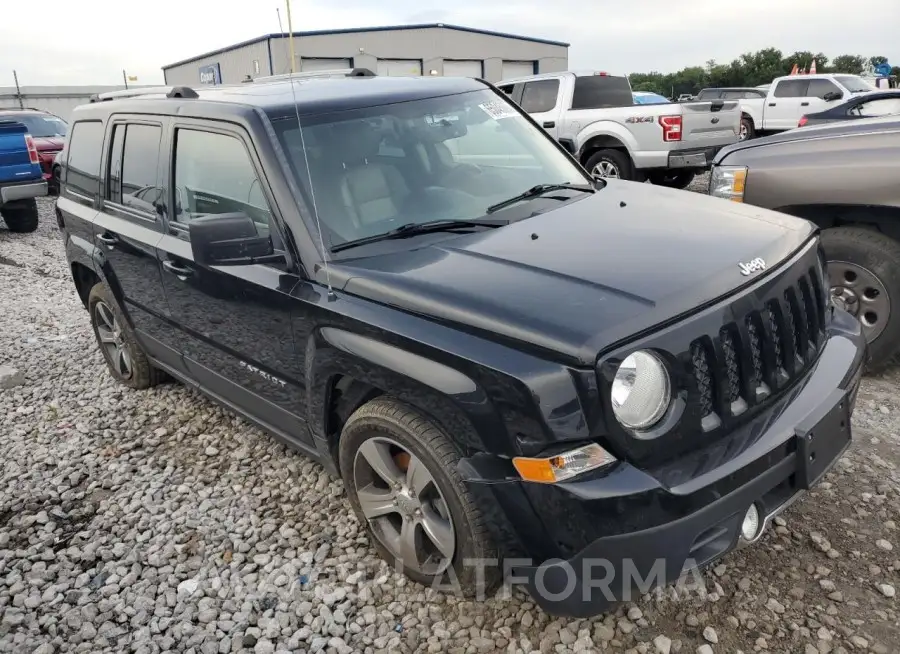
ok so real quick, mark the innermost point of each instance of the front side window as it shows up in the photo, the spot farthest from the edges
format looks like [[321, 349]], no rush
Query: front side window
[[83, 162], [540, 96], [819, 88], [460, 155], [215, 175]]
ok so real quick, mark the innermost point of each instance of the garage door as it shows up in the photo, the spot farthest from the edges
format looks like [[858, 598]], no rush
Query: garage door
[[463, 69], [399, 67], [517, 69], [316, 65]]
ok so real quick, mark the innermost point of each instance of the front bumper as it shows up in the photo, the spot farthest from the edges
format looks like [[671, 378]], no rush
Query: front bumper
[[23, 191], [670, 530]]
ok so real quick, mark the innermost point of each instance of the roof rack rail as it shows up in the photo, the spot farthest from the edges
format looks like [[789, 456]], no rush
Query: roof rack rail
[[167, 91], [340, 72]]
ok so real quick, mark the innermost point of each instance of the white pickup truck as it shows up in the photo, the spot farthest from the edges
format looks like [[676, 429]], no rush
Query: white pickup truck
[[593, 115], [786, 100]]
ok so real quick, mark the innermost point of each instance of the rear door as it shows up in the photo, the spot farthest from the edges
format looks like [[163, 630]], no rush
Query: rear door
[[129, 226], [783, 106], [234, 322], [541, 99]]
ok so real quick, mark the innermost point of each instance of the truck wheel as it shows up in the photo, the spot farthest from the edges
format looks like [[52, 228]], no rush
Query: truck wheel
[[864, 276], [672, 179], [400, 472], [611, 163], [21, 216], [124, 357], [747, 132]]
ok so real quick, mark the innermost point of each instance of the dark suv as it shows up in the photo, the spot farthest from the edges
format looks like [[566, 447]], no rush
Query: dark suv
[[599, 384]]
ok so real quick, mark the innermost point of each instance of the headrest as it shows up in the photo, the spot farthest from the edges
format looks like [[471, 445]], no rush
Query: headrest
[[356, 140]]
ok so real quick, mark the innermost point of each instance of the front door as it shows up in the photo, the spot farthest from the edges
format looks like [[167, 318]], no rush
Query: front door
[[234, 321], [129, 225]]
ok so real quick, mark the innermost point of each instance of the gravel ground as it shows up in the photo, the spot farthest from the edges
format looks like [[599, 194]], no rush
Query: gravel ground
[[155, 521]]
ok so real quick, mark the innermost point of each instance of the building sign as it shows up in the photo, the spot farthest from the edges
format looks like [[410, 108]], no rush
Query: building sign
[[210, 74]]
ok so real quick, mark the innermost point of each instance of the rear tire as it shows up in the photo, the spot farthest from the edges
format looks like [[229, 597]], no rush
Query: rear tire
[[747, 130], [611, 163], [125, 359], [864, 275], [402, 440], [679, 180], [20, 216]]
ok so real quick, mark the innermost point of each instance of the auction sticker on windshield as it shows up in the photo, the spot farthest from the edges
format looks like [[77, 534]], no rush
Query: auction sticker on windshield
[[497, 109]]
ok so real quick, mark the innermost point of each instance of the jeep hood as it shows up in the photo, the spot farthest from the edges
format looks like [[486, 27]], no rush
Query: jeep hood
[[586, 275]]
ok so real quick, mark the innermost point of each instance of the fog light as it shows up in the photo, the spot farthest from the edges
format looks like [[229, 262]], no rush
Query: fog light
[[750, 525]]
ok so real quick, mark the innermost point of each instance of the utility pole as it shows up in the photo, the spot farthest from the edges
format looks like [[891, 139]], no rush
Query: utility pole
[[125, 78], [18, 90], [290, 34]]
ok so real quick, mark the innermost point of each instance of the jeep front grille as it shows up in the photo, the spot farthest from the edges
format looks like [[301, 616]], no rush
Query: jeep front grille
[[760, 352]]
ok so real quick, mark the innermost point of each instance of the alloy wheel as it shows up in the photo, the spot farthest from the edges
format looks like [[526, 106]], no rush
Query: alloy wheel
[[402, 503], [744, 133], [112, 339], [860, 292], [606, 169]]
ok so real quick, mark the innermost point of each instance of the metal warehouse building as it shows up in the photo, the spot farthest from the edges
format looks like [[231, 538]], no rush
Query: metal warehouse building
[[436, 49]]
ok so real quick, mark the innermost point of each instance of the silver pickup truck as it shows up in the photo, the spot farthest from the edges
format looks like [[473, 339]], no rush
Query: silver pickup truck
[[594, 116]]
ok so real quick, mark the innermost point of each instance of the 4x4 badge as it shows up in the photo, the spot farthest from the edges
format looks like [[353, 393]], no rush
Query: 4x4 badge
[[752, 266]]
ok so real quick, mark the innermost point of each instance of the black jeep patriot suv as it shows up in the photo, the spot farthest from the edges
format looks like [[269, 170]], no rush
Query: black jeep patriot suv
[[588, 386]]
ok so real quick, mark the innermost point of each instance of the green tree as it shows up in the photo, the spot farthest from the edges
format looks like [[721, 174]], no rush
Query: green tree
[[877, 60], [851, 64]]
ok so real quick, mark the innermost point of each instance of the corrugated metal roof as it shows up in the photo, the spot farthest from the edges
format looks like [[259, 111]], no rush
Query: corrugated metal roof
[[355, 30]]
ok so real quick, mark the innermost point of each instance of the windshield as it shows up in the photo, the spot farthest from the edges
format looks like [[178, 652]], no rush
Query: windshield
[[853, 83], [448, 158], [42, 125]]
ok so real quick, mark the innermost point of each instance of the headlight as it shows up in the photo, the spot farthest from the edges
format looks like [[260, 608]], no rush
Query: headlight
[[641, 391], [728, 182], [552, 469]]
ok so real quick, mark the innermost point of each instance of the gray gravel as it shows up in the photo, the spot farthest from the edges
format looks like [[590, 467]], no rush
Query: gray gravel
[[155, 521]]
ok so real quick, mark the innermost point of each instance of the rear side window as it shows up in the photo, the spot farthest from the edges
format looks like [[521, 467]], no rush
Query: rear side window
[[134, 157], [601, 92], [709, 94], [540, 96], [819, 87], [791, 88], [83, 161]]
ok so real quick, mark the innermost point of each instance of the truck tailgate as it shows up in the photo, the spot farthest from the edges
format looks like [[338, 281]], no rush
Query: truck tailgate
[[711, 123], [15, 164]]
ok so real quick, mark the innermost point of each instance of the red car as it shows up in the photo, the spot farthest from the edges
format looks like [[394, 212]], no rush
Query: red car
[[49, 134]]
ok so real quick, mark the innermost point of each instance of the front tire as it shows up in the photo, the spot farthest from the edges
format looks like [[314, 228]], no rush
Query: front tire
[[864, 278], [679, 180], [610, 163], [126, 361], [21, 216], [400, 472]]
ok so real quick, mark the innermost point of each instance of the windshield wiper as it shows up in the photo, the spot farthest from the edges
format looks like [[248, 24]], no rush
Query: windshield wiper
[[414, 229], [536, 191]]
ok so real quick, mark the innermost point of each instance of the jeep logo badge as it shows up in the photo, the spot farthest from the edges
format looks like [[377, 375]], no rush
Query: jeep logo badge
[[752, 266]]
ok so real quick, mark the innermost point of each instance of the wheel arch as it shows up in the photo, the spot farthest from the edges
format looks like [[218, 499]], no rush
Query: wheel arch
[[85, 278], [883, 219], [602, 142]]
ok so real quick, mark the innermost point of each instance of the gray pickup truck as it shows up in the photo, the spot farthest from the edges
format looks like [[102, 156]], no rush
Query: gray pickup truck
[[844, 178], [594, 116]]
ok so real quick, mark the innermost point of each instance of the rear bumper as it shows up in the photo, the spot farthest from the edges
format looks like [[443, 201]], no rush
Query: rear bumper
[[693, 158], [23, 191], [661, 533]]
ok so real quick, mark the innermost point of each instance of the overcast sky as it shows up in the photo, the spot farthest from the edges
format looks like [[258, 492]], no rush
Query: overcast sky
[[91, 41]]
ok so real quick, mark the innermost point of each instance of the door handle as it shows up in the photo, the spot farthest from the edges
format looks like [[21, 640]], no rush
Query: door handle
[[771, 104], [109, 239], [175, 269], [804, 104], [549, 123]]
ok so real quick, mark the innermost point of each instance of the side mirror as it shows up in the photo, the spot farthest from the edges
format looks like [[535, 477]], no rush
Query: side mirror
[[831, 96], [230, 239]]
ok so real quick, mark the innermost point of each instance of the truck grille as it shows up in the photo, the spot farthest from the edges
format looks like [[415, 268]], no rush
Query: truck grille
[[760, 352]]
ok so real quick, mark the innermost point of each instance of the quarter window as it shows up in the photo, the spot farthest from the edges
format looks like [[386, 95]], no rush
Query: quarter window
[[83, 161]]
